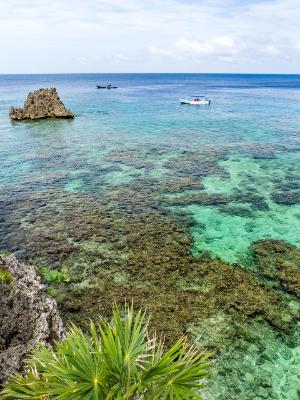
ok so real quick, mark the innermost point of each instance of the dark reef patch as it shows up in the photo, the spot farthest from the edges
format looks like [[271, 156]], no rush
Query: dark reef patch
[[280, 262], [197, 165], [130, 157], [198, 198], [286, 197], [256, 202], [173, 185]]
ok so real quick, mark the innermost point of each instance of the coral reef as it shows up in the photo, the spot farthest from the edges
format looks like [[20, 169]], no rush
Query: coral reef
[[198, 198], [43, 103], [124, 246], [287, 191], [130, 157], [280, 262], [120, 240], [196, 165], [27, 316], [287, 198]]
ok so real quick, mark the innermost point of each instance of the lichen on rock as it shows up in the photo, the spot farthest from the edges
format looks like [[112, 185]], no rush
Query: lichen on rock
[[40, 104], [27, 316]]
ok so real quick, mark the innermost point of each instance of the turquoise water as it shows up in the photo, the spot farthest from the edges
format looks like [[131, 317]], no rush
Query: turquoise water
[[253, 123], [229, 230], [231, 168]]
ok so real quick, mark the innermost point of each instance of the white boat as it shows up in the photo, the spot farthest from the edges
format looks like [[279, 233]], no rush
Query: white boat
[[196, 100]]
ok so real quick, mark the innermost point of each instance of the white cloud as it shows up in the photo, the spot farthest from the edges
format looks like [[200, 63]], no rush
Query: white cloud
[[82, 60], [121, 57], [220, 45], [157, 51], [233, 35], [272, 50], [224, 41]]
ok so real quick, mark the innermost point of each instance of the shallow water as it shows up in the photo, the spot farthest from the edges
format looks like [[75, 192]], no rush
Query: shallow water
[[228, 232], [231, 171]]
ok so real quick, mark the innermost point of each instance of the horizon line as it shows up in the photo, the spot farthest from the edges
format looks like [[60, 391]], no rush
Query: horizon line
[[149, 73]]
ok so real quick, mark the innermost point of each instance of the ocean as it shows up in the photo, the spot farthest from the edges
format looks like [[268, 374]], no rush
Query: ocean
[[191, 211]]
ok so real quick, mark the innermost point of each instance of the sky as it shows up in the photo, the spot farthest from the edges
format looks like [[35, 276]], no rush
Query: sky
[[230, 36]]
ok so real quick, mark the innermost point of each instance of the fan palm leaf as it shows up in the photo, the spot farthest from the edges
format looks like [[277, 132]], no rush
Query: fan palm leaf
[[116, 361]]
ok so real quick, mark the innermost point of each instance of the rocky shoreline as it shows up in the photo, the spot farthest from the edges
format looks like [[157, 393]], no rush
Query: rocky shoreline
[[27, 315]]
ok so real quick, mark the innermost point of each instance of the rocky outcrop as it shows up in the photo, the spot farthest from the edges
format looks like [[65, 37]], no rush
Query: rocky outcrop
[[43, 103], [27, 315]]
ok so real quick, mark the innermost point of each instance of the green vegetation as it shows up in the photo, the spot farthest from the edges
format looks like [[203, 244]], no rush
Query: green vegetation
[[55, 293], [54, 275], [5, 277], [117, 361], [5, 253]]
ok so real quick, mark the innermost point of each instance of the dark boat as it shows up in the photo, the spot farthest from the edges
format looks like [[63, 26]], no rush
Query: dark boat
[[108, 86]]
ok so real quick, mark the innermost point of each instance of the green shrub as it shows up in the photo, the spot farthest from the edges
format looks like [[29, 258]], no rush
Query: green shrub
[[5, 253], [116, 361], [53, 275], [54, 293], [5, 277]]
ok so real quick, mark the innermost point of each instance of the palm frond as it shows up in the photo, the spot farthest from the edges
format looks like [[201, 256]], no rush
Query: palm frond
[[116, 361], [32, 386]]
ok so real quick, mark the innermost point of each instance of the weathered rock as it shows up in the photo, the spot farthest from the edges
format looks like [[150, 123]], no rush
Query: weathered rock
[[43, 103], [27, 316]]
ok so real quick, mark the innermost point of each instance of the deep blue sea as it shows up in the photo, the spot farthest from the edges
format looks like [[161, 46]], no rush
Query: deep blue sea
[[232, 168]]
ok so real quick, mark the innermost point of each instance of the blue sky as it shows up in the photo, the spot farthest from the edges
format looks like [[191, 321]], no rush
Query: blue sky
[[38, 36]]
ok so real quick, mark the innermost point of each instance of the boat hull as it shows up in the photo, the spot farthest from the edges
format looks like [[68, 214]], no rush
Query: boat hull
[[195, 103], [107, 87]]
